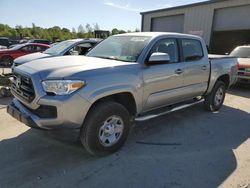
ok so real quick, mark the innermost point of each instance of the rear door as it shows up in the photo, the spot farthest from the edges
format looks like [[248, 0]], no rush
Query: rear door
[[163, 82], [196, 67], [27, 49]]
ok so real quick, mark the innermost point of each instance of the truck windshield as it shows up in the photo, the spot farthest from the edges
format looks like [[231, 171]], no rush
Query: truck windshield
[[59, 48], [121, 48], [241, 52]]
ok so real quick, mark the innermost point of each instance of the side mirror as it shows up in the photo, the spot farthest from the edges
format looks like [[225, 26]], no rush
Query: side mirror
[[158, 58]]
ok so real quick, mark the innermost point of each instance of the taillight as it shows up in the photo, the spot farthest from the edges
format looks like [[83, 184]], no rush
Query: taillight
[[238, 65]]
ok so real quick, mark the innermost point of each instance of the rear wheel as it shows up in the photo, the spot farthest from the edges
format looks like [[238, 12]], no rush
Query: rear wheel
[[7, 61], [105, 128], [215, 99]]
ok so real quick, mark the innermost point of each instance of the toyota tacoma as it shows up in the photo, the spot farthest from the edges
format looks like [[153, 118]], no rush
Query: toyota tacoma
[[125, 78]]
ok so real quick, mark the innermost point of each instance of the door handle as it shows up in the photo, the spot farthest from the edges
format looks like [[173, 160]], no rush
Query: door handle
[[179, 71], [204, 67]]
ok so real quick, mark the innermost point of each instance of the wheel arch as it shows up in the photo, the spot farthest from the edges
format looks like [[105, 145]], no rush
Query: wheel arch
[[124, 98], [8, 56], [225, 79]]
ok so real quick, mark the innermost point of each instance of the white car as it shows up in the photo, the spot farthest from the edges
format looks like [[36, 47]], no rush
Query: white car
[[2, 47], [243, 55]]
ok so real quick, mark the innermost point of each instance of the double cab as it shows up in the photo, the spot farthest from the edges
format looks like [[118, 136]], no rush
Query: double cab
[[125, 78]]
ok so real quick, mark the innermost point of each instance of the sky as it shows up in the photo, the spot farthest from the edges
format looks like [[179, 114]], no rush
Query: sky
[[109, 14]]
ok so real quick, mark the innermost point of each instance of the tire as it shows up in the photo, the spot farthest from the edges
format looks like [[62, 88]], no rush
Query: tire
[[215, 99], [7, 61], [3, 92], [100, 137]]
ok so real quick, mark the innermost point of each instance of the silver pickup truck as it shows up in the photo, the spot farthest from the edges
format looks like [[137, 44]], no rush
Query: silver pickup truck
[[125, 78]]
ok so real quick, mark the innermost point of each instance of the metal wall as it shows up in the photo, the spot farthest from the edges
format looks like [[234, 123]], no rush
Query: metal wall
[[168, 23], [197, 19]]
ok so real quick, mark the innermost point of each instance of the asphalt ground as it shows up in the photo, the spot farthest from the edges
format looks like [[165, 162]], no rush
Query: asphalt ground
[[187, 148]]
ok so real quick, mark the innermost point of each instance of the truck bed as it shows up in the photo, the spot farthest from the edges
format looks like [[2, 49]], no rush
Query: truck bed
[[215, 56]]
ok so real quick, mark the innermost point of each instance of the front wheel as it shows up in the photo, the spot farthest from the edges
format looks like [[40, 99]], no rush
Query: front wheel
[[105, 128], [215, 99]]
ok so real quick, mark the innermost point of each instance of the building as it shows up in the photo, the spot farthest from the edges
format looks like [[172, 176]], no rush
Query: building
[[223, 24], [101, 34]]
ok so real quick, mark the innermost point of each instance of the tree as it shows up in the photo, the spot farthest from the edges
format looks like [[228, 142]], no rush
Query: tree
[[96, 26], [137, 30], [65, 30], [121, 31], [89, 28], [34, 30], [115, 31], [81, 29], [51, 34]]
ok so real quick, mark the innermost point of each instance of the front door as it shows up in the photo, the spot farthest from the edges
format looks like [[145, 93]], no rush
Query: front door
[[163, 82]]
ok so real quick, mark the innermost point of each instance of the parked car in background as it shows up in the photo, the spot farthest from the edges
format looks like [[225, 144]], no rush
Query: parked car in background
[[41, 41], [68, 47], [243, 55], [2, 47], [4, 41], [125, 78], [7, 56]]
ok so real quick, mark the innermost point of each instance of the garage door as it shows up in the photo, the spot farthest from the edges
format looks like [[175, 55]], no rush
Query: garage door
[[234, 18], [231, 28], [168, 24]]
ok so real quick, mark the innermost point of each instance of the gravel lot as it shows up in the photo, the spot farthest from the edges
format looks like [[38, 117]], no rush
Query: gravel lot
[[188, 148]]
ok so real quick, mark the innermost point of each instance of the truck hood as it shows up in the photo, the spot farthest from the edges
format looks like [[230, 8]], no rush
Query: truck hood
[[244, 62], [30, 57], [69, 66]]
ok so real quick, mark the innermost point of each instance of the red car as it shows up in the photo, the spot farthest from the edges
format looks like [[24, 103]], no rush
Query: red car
[[7, 56]]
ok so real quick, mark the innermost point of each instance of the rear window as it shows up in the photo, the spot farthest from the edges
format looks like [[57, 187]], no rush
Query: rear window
[[241, 52], [192, 50]]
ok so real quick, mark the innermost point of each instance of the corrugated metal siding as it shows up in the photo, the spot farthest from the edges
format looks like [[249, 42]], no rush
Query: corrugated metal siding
[[168, 23], [197, 19]]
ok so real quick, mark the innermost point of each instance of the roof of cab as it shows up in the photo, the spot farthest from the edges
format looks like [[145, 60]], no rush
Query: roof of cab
[[158, 34]]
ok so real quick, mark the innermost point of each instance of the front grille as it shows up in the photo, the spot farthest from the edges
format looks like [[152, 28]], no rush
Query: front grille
[[22, 85]]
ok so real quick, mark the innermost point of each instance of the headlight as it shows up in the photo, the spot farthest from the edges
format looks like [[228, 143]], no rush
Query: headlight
[[62, 87]]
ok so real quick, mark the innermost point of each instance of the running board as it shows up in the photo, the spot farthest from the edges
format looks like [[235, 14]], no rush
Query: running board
[[151, 116]]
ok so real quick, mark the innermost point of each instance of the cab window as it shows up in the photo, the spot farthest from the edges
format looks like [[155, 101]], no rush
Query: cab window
[[192, 50], [168, 46], [28, 48], [39, 48], [80, 49]]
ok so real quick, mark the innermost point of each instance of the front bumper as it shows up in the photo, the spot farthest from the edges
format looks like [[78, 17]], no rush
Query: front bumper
[[71, 112], [15, 112]]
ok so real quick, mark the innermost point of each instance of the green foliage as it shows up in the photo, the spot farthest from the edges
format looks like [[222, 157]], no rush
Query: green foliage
[[54, 33], [116, 31]]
